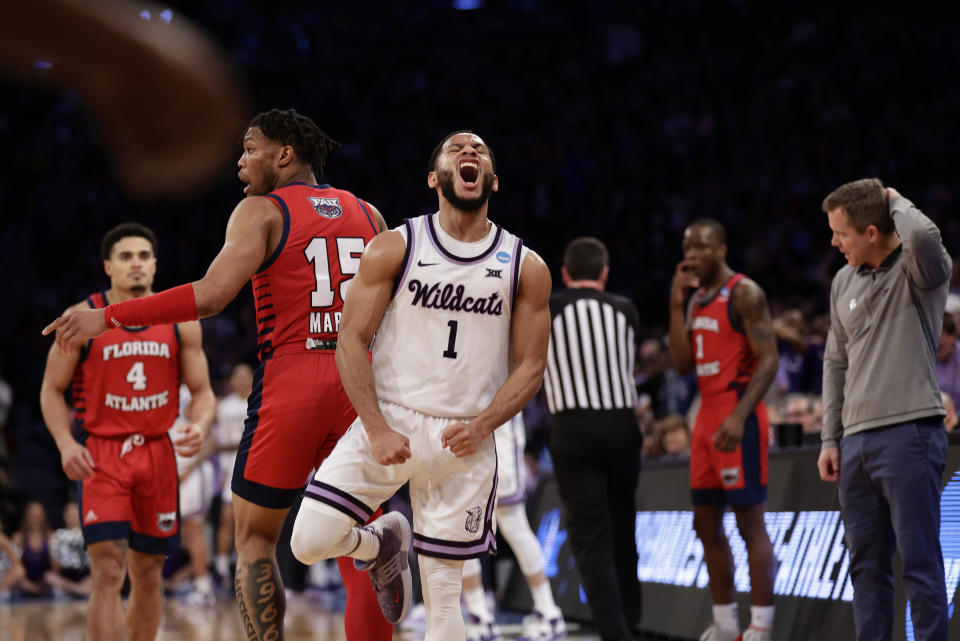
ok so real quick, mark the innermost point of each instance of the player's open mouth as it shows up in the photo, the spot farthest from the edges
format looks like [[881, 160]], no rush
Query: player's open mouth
[[469, 171]]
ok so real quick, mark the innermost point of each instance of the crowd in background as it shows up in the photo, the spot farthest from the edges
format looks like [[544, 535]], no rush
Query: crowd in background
[[625, 121]]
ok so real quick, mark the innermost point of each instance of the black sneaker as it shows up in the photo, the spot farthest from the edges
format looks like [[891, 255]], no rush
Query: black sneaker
[[390, 571]]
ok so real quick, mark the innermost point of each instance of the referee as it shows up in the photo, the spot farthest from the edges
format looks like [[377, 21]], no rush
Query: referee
[[595, 441]]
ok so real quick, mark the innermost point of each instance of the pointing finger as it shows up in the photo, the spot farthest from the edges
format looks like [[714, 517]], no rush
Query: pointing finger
[[52, 326]]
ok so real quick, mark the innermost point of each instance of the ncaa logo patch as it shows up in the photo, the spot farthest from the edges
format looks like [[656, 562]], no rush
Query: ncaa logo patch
[[472, 525], [166, 520], [326, 207], [503, 257], [724, 294]]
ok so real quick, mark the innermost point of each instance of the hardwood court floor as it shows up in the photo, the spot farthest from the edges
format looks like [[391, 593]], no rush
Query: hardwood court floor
[[305, 621]]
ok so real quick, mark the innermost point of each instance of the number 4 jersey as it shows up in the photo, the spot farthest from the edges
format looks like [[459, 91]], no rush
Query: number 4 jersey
[[128, 379], [299, 290], [442, 348]]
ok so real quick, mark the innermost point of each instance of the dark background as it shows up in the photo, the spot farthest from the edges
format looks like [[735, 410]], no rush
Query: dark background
[[621, 120]]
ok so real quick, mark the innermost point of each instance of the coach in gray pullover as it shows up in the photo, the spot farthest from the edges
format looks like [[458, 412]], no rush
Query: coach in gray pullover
[[883, 434]]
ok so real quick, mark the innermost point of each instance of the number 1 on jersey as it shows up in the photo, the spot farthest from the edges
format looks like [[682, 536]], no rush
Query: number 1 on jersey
[[452, 341], [699, 339]]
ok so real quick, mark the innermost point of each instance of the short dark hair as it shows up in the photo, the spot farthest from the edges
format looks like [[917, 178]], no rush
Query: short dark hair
[[286, 126], [949, 325], [585, 257], [865, 202], [432, 165], [126, 230], [714, 225]]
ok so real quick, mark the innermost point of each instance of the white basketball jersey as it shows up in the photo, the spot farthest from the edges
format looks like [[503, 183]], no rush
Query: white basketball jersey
[[442, 348]]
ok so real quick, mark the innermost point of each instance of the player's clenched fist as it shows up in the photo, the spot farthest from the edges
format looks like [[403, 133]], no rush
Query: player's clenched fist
[[389, 447]]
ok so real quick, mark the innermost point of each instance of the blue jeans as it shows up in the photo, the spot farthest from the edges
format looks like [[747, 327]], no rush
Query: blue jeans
[[890, 482]]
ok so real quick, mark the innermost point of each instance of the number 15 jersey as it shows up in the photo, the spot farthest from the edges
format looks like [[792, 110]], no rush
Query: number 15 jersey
[[298, 292], [442, 348]]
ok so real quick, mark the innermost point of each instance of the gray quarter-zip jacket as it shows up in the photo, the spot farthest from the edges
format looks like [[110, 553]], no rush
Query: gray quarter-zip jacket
[[885, 324]]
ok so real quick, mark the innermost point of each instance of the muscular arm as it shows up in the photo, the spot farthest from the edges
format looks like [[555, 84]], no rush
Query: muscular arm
[[750, 306], [529, 337], [57, 376], [244, 250], [362, 312], [196, 376]]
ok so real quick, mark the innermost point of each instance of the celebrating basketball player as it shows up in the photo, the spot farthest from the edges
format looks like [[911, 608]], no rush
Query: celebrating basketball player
[[125, 388], [299, 242], [727, 335], [459, 308]]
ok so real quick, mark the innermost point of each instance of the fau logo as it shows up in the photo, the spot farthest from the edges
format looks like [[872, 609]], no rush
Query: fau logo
[[326, 207]]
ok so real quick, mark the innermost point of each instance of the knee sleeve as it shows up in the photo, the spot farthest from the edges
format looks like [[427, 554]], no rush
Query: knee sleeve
[[441, 594], [512, 520], [319, 535]]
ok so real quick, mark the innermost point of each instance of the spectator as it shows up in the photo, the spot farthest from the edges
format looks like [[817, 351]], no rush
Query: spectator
[[33, 539], [950, 420], [948, 358], [69, 558], [11, 568], [674, 436]]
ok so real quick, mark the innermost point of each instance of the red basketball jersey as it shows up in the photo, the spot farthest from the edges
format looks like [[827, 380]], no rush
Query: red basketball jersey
[[299, 290], [128, 380], [722, 353]]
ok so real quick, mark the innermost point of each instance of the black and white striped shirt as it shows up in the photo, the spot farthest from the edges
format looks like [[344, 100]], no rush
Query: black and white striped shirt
[[592, 349]]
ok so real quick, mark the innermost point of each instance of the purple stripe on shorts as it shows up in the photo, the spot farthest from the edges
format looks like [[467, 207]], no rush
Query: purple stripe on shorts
[[456, 549], [339, 500]]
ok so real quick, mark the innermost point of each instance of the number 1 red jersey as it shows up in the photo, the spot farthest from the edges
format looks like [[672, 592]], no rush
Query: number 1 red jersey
[[721, 350], [299, 291], [128, 380]]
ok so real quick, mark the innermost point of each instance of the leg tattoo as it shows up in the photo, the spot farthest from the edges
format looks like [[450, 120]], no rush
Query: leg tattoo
[[261, 600]]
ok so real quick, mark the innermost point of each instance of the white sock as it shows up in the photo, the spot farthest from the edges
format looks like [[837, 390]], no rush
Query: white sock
[[761, 616], [725, 616], [222, 564], [476, 601], [368, 546], [203, 584], [543, 600]]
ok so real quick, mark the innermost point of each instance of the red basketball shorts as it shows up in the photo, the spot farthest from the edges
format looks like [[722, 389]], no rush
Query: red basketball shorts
[[738, 477], [132, 495], [296, 414]]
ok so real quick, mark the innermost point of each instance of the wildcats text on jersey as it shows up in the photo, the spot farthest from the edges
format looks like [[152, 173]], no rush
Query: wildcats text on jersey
[[136, 348], [447, 296], [137, 403]]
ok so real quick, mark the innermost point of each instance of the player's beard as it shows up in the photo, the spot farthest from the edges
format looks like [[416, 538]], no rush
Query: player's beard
[[445, 179], [138, 289]]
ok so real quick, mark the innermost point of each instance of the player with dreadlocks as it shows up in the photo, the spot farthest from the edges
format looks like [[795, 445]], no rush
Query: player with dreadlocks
[[298, 240]]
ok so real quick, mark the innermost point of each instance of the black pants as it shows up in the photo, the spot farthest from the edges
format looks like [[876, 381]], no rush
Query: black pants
[[596, 459]]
